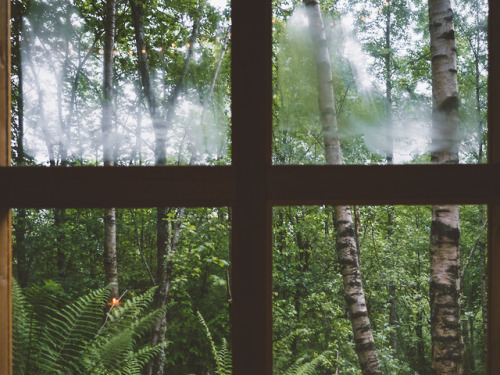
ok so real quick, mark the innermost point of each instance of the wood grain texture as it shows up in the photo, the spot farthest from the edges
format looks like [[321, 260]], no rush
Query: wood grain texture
[[5, 293], [5, 219]]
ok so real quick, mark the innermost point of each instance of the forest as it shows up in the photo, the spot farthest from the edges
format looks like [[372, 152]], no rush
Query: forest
[[356, 289]]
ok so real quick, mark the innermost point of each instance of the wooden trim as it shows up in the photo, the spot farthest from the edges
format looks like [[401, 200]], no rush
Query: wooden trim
[[34, 187], [375, 185], [251, 186], [493, 340], [5, 219], [4, 83], [252, 215], [5, 293], [91, 187]]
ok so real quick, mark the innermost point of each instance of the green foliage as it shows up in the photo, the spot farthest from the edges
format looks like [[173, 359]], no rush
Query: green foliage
[[283, 356], [75, 338], [221, 355]]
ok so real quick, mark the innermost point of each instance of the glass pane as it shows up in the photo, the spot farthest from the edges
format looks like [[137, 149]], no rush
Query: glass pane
[[171, 266], [383, 270], [159, 93], [353, 82]]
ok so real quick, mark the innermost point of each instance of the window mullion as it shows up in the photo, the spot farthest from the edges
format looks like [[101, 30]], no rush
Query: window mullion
[[493, 342], [252, 219]]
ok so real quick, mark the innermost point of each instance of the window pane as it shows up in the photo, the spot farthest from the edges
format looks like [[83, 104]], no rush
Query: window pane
[[159, 93], [318, 290], [59, 257], [375, 58]]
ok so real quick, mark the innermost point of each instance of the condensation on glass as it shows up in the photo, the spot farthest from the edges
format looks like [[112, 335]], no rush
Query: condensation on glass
[[170, 90], [311, 299], [66, 317], [380, 69]]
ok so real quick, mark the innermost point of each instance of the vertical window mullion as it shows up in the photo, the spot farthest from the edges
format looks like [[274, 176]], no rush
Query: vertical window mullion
[[493, 342], [251, 153]]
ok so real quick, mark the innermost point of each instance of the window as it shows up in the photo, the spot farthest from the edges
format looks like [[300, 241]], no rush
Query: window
[[251, 186]]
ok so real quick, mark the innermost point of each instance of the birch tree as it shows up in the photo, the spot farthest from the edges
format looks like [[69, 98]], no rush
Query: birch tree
[[110, 261], [346, 241], [445, 228]]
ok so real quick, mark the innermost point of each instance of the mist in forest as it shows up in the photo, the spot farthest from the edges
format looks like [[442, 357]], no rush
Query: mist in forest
[[360, 98], [62, 64]]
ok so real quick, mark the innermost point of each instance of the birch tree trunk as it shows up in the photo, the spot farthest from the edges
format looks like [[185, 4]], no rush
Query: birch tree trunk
[[444, 292], [346, 241], [110, 261]]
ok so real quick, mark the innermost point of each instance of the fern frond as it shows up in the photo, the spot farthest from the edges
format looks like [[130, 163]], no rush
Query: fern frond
[[209, 337], [68, 331], [309, 368], [38, 303], [283, 356], [20, 329], [283, 352], [226, 360], [133, 307], [116, 345], [222, 357]]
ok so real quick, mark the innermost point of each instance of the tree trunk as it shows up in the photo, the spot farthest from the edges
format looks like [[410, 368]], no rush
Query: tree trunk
[[160, 128], [165, 247], [346, 241], [163, 227], [208, 96], [110, 261], [484, 296], [444, 293], [19, 249], [388, 86]]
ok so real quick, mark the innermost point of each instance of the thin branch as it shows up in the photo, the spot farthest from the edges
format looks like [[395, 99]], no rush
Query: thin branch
[[139, 246], [473, 249]]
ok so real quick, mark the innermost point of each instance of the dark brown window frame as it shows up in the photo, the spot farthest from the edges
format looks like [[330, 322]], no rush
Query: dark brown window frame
[[251, 186]]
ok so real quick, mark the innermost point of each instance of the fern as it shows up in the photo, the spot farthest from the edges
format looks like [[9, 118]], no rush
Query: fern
[[283, 354], [75, 340], [115, 349], [68, 332], [222, 356], [21, 328], [307, 368], [32, 308]]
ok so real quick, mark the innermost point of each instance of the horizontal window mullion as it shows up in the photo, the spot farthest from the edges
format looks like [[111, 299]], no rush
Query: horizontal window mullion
[[94, 187], [210, 186], [384, 184]]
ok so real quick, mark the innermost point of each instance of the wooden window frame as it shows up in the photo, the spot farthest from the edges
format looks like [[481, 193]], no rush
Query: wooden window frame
[[251, 186]]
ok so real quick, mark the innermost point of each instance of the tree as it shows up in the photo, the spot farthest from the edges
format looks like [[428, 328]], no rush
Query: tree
[[346, 241], [110, 261], [445, 229]]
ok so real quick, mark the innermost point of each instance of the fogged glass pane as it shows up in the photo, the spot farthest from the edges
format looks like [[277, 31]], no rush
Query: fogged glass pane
[[87, 301], [370, 287], [159, 93], [353, 82]]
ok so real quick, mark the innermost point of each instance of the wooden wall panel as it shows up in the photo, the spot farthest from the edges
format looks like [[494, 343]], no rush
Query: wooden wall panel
[[5, 223]]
